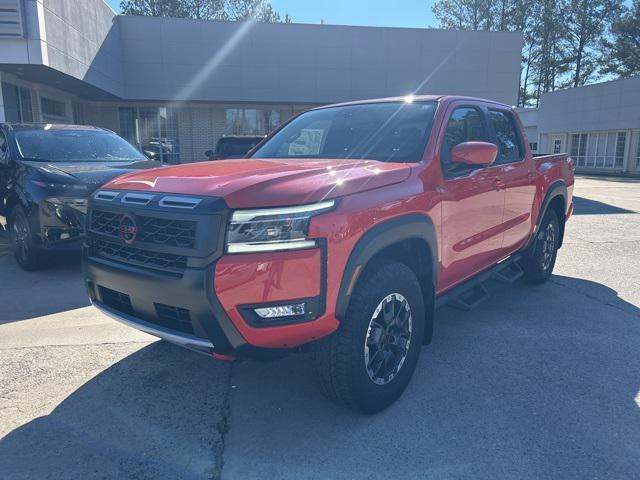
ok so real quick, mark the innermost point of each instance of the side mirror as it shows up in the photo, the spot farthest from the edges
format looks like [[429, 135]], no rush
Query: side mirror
[[150, 155], [481, 154], [209, 154]]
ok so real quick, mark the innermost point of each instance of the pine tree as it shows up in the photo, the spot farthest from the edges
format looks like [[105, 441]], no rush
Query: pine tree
[[622, 52], [586, 23], [259, 10]]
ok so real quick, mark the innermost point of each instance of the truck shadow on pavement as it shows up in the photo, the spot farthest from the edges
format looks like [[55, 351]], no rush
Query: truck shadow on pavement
[[25, 295], [157, 413], [586, 206], [539, 382]]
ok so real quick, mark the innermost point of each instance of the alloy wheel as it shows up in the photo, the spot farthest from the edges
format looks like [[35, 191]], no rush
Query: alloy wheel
[[388, 339], [547, 240], [20, 234]]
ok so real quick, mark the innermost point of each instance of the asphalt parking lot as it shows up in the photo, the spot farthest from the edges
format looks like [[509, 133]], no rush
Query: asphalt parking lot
[[538, 382]]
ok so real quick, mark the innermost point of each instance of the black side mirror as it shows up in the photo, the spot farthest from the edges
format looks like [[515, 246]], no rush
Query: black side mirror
[[210, 154], [151, 155]]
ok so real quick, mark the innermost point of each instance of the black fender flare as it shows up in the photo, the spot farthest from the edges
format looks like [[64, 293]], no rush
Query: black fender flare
[[556, 189], [381, 236]]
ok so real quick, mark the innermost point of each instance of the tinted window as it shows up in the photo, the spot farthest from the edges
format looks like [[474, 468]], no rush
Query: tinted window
[[465, 125], [389, 132], [236, 147], [72, 145], [504, 126]]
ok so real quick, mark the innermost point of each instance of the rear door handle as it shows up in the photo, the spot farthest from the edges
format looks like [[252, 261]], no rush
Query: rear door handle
[[499, 184]]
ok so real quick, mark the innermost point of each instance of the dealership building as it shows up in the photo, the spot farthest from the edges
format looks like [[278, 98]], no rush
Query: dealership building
[[183, 84], [176, 86], [599, 125]]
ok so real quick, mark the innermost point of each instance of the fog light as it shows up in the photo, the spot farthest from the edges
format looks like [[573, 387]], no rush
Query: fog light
[[281, 311]]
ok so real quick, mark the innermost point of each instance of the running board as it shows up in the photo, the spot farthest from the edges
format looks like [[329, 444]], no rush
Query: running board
[[508, 272], [473, 292]]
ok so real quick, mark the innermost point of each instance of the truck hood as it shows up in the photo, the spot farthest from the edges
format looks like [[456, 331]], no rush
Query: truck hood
[[249, 183]]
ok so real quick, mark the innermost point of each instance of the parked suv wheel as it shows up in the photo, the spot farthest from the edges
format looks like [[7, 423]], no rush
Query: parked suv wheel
[[539, 260], [368, 362], [22, 241]]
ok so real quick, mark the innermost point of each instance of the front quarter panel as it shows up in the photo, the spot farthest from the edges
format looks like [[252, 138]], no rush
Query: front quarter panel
[[242, 280]]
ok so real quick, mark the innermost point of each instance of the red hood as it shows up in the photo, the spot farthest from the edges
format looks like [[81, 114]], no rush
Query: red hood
[[251, 183]]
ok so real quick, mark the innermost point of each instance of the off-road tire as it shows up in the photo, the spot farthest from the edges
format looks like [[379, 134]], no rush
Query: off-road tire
[[540, 258], [339, 360]]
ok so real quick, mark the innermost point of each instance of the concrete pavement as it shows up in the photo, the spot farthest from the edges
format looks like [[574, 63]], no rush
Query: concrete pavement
[[538, 382]]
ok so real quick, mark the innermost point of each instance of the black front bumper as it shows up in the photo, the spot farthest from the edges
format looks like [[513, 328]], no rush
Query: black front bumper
[[144, 295], [162, 281]]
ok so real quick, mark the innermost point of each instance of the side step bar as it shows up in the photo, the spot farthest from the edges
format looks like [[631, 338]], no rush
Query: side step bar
[[468, 295]]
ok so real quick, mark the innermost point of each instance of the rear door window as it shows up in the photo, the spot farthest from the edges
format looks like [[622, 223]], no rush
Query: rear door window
[[507, 138]]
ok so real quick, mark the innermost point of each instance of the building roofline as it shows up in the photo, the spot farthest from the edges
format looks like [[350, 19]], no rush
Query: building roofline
[[110, 7], [321, 25], [634, 77]]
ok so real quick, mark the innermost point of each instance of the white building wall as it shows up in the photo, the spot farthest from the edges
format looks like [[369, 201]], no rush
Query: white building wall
[[600, 111], [529, 119], [188, 60]]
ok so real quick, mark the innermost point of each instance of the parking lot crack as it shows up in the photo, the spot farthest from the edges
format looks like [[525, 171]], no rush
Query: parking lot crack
[[222, 426]]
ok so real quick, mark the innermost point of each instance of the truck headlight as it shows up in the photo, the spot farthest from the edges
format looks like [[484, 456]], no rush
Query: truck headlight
[[273, 229]]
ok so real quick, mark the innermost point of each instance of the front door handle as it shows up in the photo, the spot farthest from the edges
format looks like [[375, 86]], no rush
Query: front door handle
[[498, 184]]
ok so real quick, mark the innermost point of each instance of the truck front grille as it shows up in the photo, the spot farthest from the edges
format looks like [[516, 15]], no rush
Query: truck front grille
[[157, 231], [138, 256]]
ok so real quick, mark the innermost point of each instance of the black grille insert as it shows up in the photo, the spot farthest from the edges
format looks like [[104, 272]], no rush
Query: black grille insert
[[158, 231], [116, 300], [138, 256], [174, 318]]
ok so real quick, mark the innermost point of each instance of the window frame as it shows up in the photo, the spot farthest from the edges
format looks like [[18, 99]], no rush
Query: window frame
[[494, 137], [465, 171]]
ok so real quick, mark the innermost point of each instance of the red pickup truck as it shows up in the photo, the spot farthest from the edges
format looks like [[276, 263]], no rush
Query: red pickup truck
[[340, 233]]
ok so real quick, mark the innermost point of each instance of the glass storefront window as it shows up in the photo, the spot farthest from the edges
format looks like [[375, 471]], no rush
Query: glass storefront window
[[251, 121], [17, 103], [153, 130], [599, 149]]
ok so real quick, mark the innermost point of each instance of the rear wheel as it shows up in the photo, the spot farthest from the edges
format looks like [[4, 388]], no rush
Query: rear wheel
[[368, 362], [23, 242], [540, 259]]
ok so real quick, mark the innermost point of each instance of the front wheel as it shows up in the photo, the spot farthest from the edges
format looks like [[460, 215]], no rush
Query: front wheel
[[368, 362], [539, 260], [22, 241]]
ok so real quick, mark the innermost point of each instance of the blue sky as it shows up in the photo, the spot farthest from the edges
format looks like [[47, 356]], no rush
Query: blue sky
[[401, 13]]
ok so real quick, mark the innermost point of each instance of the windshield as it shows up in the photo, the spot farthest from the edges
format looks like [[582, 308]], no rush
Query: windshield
[[68, 145], [389, 132]]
